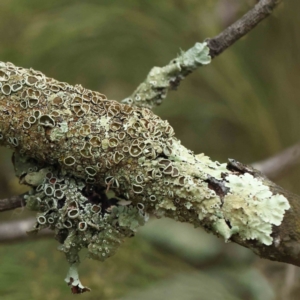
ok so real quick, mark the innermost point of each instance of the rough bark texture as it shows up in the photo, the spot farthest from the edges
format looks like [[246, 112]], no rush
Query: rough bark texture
[[12, 203], [241, 27]]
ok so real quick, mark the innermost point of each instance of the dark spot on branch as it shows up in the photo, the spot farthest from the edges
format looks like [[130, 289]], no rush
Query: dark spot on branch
[[174, 84], [61, 235], [235, 166], [228, 223], [240, 168], [218, 186]]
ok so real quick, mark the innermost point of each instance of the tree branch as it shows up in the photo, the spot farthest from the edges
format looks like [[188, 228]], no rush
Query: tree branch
[[15, 231], [12, 203], [273, 167], [246, 23], [160, 80], [71, 143], [72, 146]]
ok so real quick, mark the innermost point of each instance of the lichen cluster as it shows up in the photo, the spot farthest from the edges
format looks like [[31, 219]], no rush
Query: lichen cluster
[[72, 146], [106, 144], [252, 208], [81, 215], [162, 79]]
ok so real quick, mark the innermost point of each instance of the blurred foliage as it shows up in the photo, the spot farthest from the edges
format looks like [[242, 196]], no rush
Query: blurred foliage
[[244, 105]]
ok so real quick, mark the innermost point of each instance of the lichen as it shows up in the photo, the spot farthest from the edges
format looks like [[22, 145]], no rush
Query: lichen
[[73, 280], [161, 79], [74, 147], [253, 208]]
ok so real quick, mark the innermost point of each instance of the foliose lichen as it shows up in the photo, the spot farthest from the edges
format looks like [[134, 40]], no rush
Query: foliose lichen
[[73, 146], [162, 79], [252, 208]]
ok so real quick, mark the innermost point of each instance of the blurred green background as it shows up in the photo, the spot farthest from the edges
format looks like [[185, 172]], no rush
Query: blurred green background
[[245, 105]]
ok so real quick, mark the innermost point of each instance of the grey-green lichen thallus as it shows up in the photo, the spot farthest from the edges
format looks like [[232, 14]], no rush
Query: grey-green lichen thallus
[[73, 146]]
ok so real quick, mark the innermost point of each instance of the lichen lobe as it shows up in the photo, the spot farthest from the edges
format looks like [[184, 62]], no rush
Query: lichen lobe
[[253, 208]]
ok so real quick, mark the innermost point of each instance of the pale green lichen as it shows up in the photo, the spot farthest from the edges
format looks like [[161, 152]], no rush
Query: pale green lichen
[[204, 165], [128, 216], [253, 208], [36, 178], [223, 229], [166, 204], [210, 207], [194, 57], [59, 132], [73, 280], [161, 79], [81, 215]]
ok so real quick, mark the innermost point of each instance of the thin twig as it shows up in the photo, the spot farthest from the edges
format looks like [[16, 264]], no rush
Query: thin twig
[[160, 80], [241, 27], [290, 281], [15, 231], [273, 167], [12, 202]]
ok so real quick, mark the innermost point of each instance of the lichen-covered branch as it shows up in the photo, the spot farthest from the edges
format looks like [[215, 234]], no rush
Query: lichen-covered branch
[[160, 80], [14, 231], [97, 168]]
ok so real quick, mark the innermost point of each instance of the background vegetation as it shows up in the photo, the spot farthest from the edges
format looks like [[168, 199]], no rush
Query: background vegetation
[[245, 105]]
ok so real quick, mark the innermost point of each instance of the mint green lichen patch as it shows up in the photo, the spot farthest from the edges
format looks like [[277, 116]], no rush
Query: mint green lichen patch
[[253, 208], [223, 229], [161, 79], [196, 56], [72, 279]]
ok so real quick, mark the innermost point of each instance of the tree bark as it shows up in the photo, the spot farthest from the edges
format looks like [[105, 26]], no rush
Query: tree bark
[[12, 203]]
